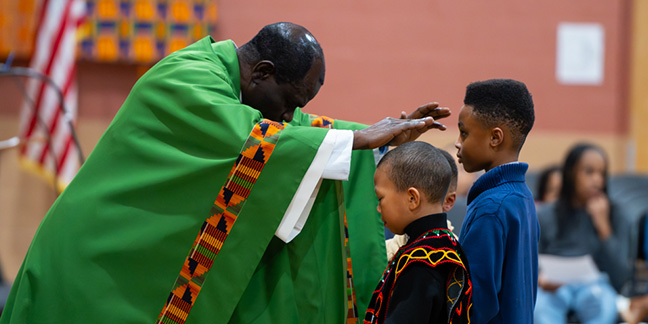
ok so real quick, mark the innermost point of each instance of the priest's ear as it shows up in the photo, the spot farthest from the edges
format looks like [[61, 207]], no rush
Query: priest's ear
[[262, 70]]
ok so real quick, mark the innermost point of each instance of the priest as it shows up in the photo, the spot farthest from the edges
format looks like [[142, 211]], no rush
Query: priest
[[212, 198]]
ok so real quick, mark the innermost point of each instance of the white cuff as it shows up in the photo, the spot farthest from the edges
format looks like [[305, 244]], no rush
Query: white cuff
[[302, 202], [339, 164]]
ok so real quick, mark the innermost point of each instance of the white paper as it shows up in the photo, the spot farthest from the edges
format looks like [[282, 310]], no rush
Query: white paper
[[580, 53], [562, 270]]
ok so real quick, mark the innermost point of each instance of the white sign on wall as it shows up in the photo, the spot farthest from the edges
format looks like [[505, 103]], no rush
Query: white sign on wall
[[580, 53]]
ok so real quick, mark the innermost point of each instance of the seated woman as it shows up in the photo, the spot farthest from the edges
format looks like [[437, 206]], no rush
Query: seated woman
[[583, 222]]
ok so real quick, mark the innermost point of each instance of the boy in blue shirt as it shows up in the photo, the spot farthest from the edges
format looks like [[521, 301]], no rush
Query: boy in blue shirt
[[500, 232]]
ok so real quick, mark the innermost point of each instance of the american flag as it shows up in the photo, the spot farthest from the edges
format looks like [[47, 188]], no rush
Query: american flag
[[45, 131]]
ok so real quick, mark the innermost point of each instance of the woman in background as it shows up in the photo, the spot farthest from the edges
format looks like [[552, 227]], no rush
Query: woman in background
[[583, 222]]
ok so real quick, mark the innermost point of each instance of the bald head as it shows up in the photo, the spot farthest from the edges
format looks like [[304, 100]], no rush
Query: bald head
[[281, 68], [290, 47]]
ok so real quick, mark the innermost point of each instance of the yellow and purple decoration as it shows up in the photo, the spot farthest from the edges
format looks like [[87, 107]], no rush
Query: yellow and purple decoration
[[17, 27], [143, 31], [126, 31]]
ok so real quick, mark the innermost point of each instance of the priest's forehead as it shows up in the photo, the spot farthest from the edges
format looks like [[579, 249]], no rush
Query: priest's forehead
[[312, 82]]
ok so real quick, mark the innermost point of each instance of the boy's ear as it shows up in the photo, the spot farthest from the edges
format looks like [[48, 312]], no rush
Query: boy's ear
[[263, 70], [497, 137], [414, 198], [449, 201]]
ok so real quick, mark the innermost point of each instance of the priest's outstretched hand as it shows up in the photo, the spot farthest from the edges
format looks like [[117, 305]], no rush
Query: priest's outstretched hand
[[396, 131]]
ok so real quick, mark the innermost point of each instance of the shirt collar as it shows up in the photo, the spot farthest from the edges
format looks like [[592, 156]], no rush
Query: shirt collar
[[425, 224], [509, 172]]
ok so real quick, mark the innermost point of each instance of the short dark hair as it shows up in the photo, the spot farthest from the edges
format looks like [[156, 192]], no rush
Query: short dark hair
[[453, 169], [419, 165], [292, 53], [503, 102]]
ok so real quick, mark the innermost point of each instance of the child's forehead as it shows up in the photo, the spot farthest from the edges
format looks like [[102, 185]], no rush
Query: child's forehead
[[383, 170], [467, 110], [384, 174], [468, 115]]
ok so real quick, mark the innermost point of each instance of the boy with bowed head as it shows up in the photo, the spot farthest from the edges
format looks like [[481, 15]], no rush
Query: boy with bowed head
[[394, 243], [500, 232], [427, 280]]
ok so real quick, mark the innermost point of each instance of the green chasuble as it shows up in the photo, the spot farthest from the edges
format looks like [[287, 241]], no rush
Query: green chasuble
[[303, 281], [112, 245]]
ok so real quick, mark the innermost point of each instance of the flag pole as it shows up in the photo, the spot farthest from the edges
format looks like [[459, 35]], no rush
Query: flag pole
[[32, 73]]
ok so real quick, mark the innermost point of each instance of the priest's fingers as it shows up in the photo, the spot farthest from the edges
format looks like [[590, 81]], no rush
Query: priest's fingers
[[438, 113], [413, 134], [387, 129], [437, 125], [430, 110], [409, 131], [423, 110]]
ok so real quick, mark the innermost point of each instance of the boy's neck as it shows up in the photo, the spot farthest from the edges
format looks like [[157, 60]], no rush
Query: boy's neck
[[424, 208], [414, 231], [428, 209], [503, 159]]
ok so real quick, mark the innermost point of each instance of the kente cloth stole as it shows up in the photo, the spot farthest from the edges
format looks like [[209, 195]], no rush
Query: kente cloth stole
[[438, 249], [352, 307], [230, 200]]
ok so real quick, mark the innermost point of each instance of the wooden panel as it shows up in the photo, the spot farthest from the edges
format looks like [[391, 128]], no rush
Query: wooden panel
[[639, 84]]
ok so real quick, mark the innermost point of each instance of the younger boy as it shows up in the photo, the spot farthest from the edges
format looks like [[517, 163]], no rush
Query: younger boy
[[500, 232], [394, 243], [427, 281]]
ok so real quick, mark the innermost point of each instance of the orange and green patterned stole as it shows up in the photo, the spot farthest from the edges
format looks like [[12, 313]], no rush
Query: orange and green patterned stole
[[352, 313], [352, 306], [232, 197], [439, 249]]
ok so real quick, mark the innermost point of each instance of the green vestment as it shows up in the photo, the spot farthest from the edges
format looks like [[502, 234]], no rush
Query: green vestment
[[112, 245]]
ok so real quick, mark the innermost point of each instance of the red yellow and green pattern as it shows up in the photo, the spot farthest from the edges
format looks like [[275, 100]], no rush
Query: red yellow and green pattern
[[439, 249], [214, 231]]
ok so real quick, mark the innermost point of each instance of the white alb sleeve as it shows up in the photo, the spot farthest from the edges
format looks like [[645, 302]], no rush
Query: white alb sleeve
[[332, 161], [339, 163]]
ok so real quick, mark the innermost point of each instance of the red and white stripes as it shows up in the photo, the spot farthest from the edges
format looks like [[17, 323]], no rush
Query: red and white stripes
[[49, 147]]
